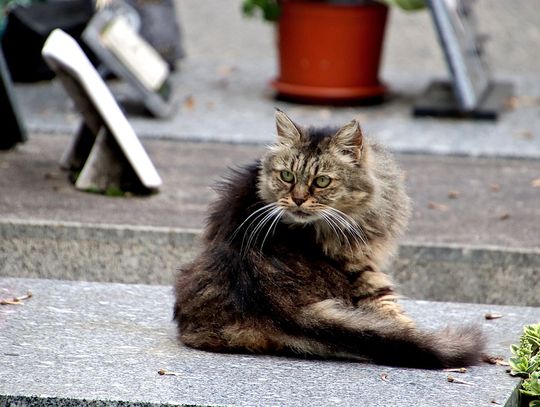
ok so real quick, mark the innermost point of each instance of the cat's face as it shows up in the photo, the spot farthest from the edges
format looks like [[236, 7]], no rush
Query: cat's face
[[315, 174]]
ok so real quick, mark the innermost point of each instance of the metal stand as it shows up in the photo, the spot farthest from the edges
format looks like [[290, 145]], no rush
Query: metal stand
[[439, 100], [12, 128], [97, 164], [105, 155], [112, 36], [471, 93]]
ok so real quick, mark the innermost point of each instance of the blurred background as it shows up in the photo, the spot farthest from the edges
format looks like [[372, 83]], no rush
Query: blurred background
[[475, 184]]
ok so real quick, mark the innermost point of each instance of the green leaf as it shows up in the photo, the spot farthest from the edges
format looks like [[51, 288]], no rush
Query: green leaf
[[531, 386], [268, 9], [519, 365], [114, 191], [408, 5], [525, 362]]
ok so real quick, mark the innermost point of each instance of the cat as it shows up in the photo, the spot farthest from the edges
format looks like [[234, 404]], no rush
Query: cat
[[293, 257]]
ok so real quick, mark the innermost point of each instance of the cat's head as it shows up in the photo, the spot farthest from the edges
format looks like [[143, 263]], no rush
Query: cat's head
[[312, 172]]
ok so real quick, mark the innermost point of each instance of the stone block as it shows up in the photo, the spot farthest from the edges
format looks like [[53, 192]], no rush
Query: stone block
[[151, 255], [80, 343]]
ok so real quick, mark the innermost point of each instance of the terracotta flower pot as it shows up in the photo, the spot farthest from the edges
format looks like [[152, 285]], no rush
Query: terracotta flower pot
[[330, 53]]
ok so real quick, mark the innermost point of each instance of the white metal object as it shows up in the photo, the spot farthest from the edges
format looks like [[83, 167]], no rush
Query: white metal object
[[101, 115], [116, 42]]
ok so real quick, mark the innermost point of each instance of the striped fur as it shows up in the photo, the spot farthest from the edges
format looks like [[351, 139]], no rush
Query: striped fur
[[293, 264]]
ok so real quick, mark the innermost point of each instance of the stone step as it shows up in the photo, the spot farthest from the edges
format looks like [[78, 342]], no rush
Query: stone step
[[82, 343], [151, 255]]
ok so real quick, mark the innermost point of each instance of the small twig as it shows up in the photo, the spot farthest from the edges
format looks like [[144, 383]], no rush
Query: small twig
[[494, 402], [24, 297], [384, 377], [493, 315], [165, 372], [10, 302], [457, 370], [452, 379], [17, 300]]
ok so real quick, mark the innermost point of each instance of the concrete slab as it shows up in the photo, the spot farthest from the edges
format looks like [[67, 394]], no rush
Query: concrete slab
[[223, 93], [481, 245], [492, 202], [88, 343], [239, 109], [151, 255]]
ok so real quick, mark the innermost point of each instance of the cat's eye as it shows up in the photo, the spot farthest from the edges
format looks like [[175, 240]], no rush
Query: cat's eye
[[323, 181], [287, 176]]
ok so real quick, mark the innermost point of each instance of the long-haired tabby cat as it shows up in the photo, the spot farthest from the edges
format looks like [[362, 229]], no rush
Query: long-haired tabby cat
[[293, 253]]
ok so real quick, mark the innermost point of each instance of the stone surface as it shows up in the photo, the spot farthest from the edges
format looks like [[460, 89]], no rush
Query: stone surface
[[151, 255], [460, 273], [496, 203], [74, 251], [239, 108], [223, 94], [84, 343]]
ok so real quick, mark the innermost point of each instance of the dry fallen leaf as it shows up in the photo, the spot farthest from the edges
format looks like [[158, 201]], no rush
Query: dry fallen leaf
[[524, 135], [189, 102], [492, 315], [454, 194], [495, 360], [437, 206], [512, 102], [226, 70], [504, 216], [494, 187], [522, 101]]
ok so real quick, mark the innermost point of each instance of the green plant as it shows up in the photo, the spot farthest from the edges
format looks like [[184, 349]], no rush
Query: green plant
[[111, 190], [525, 362], [270, 9]]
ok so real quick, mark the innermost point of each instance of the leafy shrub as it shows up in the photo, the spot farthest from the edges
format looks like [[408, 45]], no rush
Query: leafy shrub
[[525, 362]]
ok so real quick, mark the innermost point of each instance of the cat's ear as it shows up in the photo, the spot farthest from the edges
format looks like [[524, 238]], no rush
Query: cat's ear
[[288, 133], [349, 139]]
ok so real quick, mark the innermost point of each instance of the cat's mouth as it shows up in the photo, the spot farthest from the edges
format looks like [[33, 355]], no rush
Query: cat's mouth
[[301, 215]]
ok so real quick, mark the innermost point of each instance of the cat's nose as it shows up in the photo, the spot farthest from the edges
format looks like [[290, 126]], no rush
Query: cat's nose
[[299, 201]]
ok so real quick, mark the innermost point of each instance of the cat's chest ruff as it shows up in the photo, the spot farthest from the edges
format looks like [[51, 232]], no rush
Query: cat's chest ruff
[[342, 247]]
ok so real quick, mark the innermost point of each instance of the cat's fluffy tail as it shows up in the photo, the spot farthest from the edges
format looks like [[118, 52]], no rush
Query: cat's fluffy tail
[[389, 341], [450, 347]]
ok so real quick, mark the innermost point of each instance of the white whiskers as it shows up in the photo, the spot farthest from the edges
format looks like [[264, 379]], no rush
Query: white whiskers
[[264, 221], [269, 215], [344, 227]]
